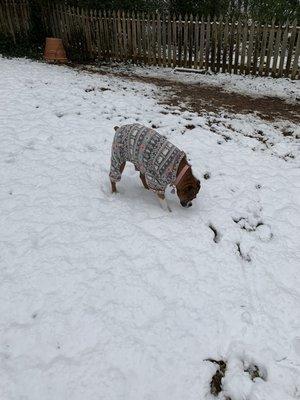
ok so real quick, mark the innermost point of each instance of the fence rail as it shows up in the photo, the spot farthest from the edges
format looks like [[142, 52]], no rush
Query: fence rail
[[236, 46]]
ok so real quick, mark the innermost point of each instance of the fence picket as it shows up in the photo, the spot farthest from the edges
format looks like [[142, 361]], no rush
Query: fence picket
[[291, 48], [220, 30], [250, 49], [295, 68], [225, 46], [196, 54], [263, 50], [164, 40], [159, 40], [174, 47], [169, 37], [237, 47], [244, 45], [190, 42], [276, 50], [138, 37], [207, 43], [231, 44], [283, 49], [270, 48], [185, 40], [179, 41]]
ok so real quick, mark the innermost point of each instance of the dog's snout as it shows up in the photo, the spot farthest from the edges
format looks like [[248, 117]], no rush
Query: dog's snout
[[186, 204]]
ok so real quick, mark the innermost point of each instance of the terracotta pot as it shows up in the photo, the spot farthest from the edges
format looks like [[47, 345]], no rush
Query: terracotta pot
[[55, 51]]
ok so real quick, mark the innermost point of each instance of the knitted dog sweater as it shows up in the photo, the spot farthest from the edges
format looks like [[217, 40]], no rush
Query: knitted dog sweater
[[151, 153]]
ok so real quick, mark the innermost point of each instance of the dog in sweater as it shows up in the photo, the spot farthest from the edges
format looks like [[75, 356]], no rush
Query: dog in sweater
[[158, 161]]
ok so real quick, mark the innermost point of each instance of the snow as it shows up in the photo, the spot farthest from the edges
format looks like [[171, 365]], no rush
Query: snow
[[254, 86], [109, 297]]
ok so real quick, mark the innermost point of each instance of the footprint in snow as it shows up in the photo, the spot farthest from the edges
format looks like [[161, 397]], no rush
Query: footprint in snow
[[217, 236], [244, 256]]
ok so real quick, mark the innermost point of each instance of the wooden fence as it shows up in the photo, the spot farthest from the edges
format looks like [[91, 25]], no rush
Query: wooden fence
[[242, 47], [236, 46], [14, 18]]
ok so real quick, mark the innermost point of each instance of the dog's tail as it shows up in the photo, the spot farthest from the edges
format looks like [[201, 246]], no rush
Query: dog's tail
[[116, 127]]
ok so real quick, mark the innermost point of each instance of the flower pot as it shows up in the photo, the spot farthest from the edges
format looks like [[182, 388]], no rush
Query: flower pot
[[55, 51]]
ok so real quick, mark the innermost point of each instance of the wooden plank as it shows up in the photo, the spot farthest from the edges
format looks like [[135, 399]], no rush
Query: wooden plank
[[276, 51], [257, 35], [244, 46], [283, 49], [191, 52], [174, 47], [291, 48], [120, 36], [263, 50], [159, 57], [250, 49], [164, 40], [10, 22], [148, 39], [169, 39], [138, 37], [179, 41], [153, 39], [15, 17], [3, 24], [225, 45], [89, 34], [202, 42], [214, 39], [232, 33], [96, 16], [55, 21], [108, 29], [237, 47], [133, 37], [295, 68], [270, 49], [144, 38], [220, 29], [124, 35], [25, 10], [129, 36], [196, 57], [115, 51], [185, 40], [207, 43]]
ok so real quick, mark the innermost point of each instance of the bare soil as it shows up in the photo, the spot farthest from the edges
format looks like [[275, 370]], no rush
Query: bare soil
[[201, 98]]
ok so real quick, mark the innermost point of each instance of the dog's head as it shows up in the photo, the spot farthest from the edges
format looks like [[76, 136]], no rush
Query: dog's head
[[188, 189]]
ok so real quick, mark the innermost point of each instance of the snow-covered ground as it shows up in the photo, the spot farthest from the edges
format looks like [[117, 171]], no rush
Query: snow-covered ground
[[109, 297], [254, 86]]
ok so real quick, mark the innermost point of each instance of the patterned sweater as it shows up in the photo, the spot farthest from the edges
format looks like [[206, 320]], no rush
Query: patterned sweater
[[151, 153]]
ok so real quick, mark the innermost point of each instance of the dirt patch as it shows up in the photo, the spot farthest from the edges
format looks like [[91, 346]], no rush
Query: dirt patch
[[201, 98], [216, 380]]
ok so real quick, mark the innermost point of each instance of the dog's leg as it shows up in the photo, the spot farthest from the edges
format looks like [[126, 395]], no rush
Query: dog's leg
[[113, 187], [163, 202], [113, 184], [143, 179]]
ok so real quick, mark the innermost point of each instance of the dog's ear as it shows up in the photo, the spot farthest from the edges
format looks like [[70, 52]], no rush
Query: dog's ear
[[116, 127]]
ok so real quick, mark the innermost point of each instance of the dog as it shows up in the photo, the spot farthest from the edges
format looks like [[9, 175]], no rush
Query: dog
[[158, 161]]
